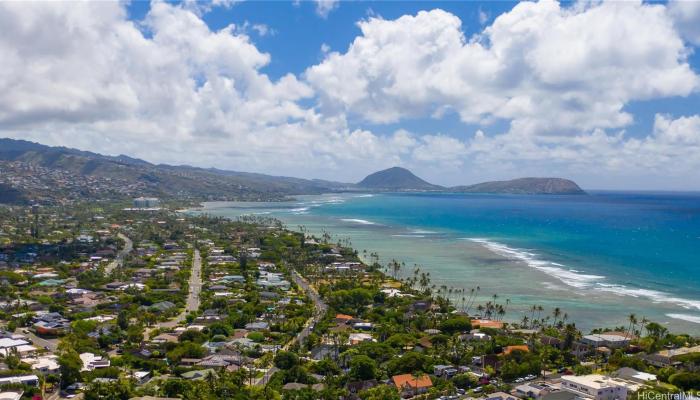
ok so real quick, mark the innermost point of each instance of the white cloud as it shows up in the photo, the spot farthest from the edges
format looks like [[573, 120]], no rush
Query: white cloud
[[686, 14], [684, 130], [671, 150], [324, 7], [544, 68], [82, 75]]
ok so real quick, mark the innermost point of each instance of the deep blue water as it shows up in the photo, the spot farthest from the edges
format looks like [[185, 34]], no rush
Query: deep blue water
[[644, 239]]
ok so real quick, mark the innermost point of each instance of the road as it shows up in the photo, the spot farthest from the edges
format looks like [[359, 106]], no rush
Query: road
[[195, 285], [128, 246], [319, 311], [192, 304]]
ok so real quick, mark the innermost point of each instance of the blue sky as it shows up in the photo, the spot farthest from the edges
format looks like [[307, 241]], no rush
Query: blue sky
[[606, 93]]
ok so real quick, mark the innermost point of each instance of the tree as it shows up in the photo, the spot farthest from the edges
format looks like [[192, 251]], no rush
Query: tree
[[120, 390], [408, 363], [243, 261], [686, 380], [363, 367], [381, 392], [134, 334], [455, 325], [286, 360], [257, 337], [186, 350], [192, 335], [70, 365], [464, 381], [219, 328]]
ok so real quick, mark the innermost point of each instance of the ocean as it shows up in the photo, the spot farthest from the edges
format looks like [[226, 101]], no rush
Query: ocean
[[598, 257]]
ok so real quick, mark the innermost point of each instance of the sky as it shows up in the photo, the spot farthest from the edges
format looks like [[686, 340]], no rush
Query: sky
[[604, 93]]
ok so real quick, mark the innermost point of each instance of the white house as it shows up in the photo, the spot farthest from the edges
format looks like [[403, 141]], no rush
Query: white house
[[597, 387], [92, 361]]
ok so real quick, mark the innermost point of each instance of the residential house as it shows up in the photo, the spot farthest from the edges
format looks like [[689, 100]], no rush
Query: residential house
[[257, 326], [531, 391], [445, 371], [411, 385], [51, 323], [500, 396], [631, 374], [92, 361], [612, 340]]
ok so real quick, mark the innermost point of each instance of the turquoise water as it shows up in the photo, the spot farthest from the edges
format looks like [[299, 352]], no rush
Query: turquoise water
[[599, 257]]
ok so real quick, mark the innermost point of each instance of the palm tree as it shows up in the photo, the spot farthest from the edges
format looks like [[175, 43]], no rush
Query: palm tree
[[556, 313], [469, 306], [469, 300], [505, 309], [633, 323], [395, 268], [501, 313], [525, 320], [644, 323]]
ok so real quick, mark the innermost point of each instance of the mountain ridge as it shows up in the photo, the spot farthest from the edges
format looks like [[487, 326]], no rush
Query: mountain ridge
[[160, 180], [124, 176]]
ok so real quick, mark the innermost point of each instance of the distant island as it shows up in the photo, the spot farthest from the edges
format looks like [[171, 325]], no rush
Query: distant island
[[32, 172], [524, 186]]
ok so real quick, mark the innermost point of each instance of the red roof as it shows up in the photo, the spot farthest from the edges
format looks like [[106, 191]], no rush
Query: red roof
[[414, 382]]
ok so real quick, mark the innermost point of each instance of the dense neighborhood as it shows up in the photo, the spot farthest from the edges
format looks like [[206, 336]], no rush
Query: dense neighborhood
[[140, 301]]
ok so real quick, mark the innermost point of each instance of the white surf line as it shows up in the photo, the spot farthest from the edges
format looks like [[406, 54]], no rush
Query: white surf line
[[359, 221], [579, 280]]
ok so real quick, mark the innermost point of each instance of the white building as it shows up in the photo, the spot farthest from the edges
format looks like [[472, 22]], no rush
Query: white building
[[610, 340], [597, 387], [92, 361], [43, 364], [146, 202]]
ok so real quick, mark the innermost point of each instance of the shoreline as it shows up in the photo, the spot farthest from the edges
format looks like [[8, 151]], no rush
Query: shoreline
[[456, 262]]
